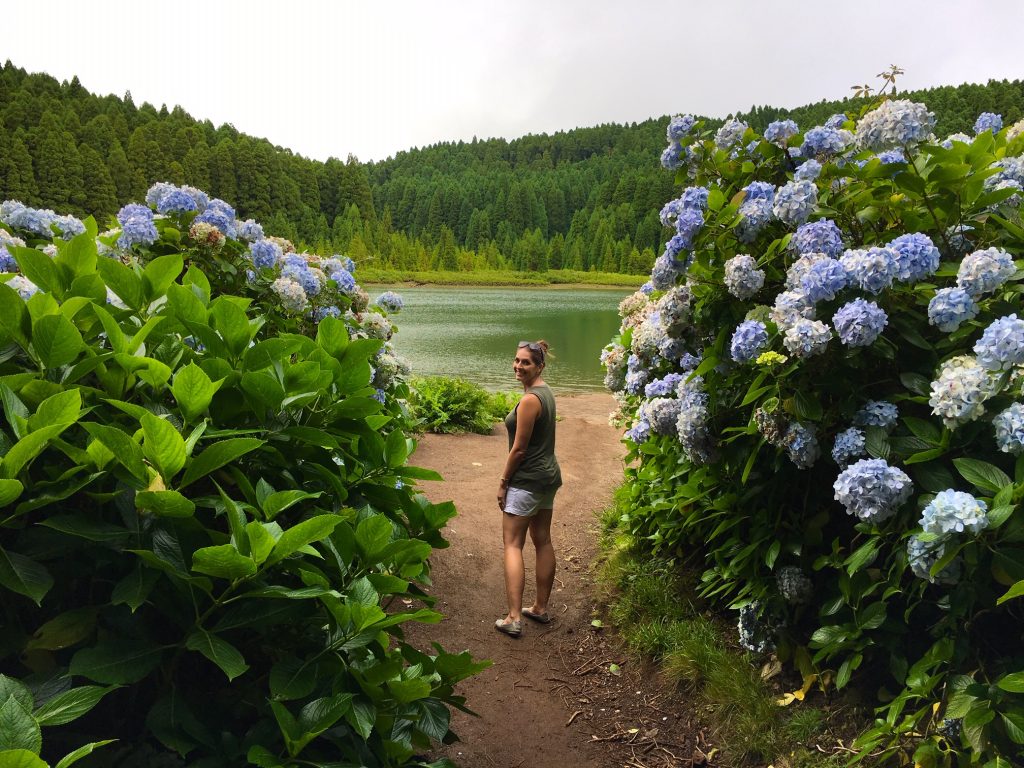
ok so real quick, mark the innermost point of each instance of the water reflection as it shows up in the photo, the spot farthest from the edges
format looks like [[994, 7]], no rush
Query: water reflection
[[472, 332]]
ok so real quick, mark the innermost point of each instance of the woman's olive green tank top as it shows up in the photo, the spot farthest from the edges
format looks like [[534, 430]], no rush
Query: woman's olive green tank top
[[539, 469]]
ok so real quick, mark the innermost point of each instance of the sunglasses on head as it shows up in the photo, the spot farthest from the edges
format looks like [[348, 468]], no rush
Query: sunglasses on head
[[532, 345]]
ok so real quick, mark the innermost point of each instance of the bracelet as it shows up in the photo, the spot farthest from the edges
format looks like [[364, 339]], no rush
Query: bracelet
[[503, 480]]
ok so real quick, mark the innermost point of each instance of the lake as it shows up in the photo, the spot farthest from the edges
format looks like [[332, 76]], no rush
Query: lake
[[471, 332]]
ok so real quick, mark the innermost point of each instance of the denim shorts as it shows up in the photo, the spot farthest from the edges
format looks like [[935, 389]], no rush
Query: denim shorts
[[523, 503]]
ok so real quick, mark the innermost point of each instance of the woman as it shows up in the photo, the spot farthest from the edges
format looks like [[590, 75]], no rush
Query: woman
[[526, 490]]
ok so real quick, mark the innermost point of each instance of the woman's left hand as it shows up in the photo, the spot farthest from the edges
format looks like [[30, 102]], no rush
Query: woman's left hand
[[501, 497]]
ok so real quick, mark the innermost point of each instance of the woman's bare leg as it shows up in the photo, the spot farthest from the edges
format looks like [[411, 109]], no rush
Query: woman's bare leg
[[540, 534], [513, 533]]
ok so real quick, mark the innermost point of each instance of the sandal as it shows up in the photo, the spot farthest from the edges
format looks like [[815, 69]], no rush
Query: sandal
[[511, 628], [540, 618]]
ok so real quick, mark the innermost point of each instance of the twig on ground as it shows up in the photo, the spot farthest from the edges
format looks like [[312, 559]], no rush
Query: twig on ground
[[573, 717]]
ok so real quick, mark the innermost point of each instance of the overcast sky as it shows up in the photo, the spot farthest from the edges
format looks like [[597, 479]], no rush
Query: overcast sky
[[376, 77]]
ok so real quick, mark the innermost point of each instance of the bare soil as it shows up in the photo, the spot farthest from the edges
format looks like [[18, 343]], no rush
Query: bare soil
[[563, 694]]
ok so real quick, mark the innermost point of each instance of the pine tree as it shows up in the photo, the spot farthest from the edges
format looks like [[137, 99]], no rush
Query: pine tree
[[18, 176], [100, 192], [447, 252]]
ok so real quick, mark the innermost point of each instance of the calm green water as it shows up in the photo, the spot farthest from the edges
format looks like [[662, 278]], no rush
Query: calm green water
[[472, 332]]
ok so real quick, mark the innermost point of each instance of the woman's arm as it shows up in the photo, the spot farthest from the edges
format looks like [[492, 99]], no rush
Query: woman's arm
[[527, 411]]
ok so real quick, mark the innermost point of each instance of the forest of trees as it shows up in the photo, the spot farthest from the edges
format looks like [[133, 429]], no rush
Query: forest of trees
[[586, 198]]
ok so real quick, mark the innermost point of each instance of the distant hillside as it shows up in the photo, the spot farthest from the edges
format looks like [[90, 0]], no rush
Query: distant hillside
[[585, 198]]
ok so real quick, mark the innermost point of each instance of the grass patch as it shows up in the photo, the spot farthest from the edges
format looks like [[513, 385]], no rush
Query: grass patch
[[452, 406], [487, 278], [651, 604]]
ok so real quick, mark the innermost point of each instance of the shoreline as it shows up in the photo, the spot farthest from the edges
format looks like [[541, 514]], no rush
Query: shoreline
[[570, 280]]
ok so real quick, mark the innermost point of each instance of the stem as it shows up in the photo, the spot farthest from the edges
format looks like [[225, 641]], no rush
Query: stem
[[927, 201]]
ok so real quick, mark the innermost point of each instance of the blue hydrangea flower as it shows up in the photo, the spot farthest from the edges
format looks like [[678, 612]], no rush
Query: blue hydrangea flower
[[756, 214], [780, 131], [730, 134], [647, 288], [637, 375], [639, 432], [922, 555], [688, 225], [265, 254], [988, 121], [872, 490], [759, 190], [859, 323], [954, 512], [794, 586], [202, 199], [984, 271], [666, 270], [748, 340], [692, 424], [680, 126], [345, 281], [694, 197], [1009, 426], [961, 137], [25, 287], [647, 335], [808, 170], [157, 192], [669, 212], [742, 277], [329, 311], [7, 262], [824, 141], [688, 362], [672, 349], [220, 215], [871, 270], [895, 123], [390, 301], [249, 230], [291, 294], [795, 201], [755, 634], [790, 307], [959, 392], [137, 227], [823, 280], [849, 445], [801, 444], [1001, 346], [799, 268], [877, 413], [821, 236], [672, 157], [69, 226], [837, 121], [674, 308], [175, 201], [917, 257], [891, 156], [20, 216], [806, 338], [950, 307], [304, 276], [662, 415], [664, 387]]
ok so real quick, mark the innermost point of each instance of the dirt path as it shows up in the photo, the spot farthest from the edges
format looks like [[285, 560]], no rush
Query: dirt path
[[548, 699]]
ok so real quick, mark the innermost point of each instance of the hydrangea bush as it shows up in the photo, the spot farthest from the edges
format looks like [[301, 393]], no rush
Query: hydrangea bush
[[210, 534], [848, 421]]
